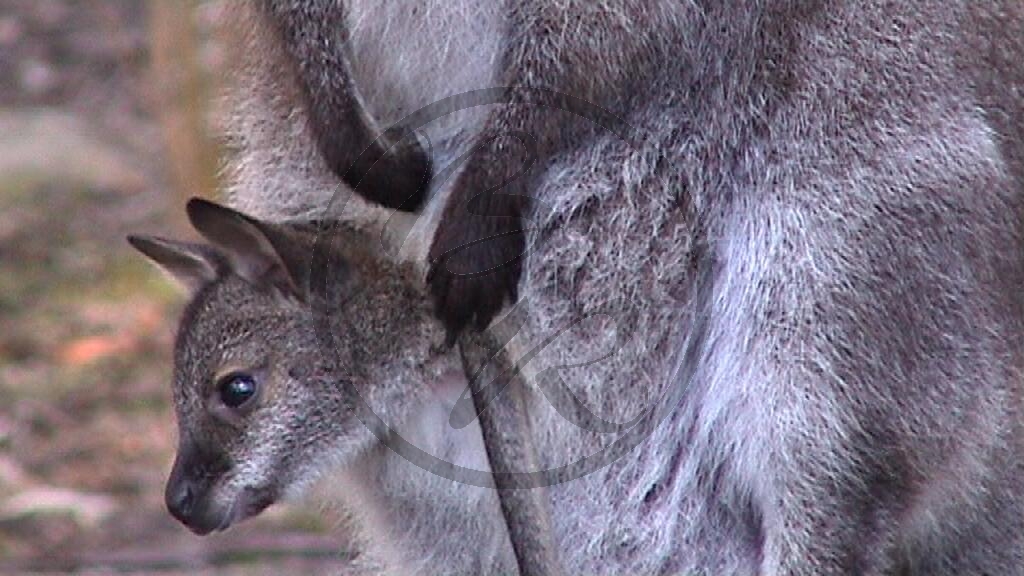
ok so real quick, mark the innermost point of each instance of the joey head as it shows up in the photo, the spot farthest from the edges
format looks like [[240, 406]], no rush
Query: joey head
[[263, 407]]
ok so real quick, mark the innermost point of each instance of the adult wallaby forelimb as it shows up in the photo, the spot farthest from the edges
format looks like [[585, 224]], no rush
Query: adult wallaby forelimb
[[390, 168], [626, 43]]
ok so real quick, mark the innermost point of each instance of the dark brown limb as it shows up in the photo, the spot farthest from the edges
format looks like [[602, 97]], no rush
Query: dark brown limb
[[387, 167], [510, 449]]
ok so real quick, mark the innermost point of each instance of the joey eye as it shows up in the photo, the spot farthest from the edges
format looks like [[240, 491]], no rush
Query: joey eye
[[236, 389]]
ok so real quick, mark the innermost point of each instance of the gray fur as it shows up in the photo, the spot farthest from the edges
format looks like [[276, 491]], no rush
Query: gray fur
[[845, 178]]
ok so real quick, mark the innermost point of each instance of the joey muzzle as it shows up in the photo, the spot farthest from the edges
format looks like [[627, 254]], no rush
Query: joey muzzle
[[189, 494]]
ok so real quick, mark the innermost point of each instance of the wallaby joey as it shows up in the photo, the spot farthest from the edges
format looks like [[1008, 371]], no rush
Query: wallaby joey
[[780, 334]]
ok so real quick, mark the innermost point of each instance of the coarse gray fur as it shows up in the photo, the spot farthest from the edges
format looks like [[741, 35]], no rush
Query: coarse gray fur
[[846, 178]]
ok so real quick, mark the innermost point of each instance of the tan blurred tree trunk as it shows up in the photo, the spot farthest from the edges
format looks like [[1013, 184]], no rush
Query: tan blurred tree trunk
[[182, 100]]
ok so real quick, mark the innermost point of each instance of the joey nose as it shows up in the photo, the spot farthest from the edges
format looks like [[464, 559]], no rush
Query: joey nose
[[180, 497], [189, 488]]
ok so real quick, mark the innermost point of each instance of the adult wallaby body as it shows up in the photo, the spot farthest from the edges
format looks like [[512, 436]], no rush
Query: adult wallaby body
[[815, 252]]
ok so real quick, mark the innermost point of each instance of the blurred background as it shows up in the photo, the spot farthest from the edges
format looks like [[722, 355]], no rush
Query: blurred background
[[108, 123]]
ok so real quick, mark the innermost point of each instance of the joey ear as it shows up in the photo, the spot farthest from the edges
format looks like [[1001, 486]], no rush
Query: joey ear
[[192, 265], [259, 252]]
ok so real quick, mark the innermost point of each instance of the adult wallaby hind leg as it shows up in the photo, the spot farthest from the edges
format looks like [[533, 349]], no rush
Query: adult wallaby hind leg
[[391, 167]]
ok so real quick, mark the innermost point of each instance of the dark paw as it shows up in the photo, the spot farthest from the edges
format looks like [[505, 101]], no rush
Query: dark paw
[[396, 178], [474, 269]]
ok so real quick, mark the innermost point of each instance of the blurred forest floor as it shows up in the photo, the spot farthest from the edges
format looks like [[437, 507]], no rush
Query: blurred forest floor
[[86, 431]]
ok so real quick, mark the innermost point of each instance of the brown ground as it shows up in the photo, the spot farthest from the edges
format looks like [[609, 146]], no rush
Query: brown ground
[[86, 433]]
